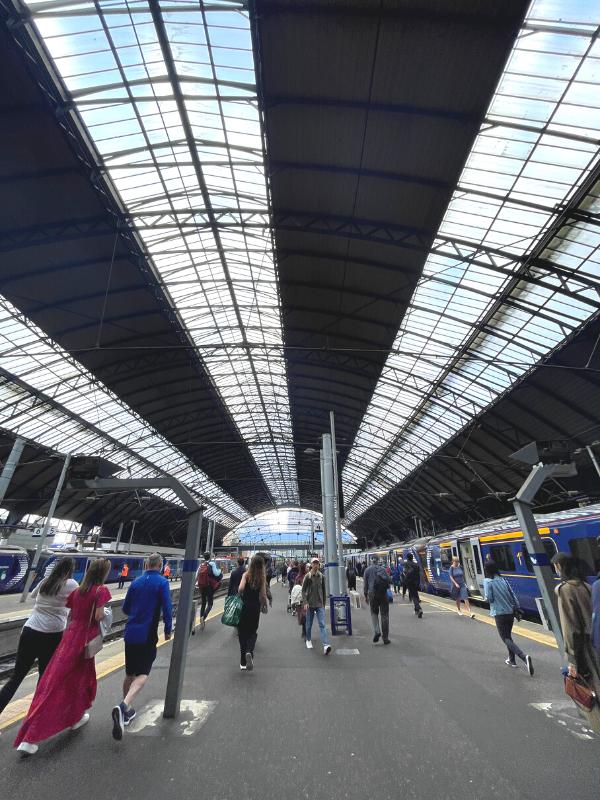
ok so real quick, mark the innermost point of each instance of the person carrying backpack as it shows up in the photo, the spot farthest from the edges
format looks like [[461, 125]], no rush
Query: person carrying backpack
[[208, 578], [376, 582], [412, 579]]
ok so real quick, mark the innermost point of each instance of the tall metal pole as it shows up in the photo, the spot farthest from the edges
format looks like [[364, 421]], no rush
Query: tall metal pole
[[184, 616], [10, 465], [342, 582], [119, 532], [324, 513], [329, 503], [312, 534], [46, 528], [535, 546], [133, 524]]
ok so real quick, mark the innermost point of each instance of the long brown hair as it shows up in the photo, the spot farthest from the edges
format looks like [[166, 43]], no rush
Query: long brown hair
[[95, 575], [256, 577], [62, 571]]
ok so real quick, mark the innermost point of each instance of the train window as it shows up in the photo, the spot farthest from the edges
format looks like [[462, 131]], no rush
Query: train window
[[588, 550], [502, 554], [551, 550], [527, 558], [445, 557]]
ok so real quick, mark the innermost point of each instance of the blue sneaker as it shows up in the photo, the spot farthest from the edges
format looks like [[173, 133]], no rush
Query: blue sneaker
[[128, 716]]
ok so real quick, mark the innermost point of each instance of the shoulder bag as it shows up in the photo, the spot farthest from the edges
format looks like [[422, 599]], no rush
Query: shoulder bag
[[93, 647], [580, 693], [233, 610]]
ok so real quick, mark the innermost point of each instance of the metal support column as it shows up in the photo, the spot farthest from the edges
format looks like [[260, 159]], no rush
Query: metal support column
[[535, 546], [10, 466], [342, 582], [190, 564], [329, 519], [323, 511], [119, 533], [312, 536], [133, 524], [46, 528], [184, 616]]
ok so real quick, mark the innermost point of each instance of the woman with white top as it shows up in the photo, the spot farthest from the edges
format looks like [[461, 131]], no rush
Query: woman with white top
[[44, 628]]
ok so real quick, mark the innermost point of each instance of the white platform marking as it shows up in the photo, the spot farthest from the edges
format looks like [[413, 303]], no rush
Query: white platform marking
[[346, 651], [564, 713], [193, 714]]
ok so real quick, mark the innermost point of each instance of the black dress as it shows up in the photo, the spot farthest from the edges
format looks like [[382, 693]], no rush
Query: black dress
[[249, 619]]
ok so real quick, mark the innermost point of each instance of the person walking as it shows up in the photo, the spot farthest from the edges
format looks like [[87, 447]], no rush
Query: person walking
[[351, 576], [376, 582], [167, 572], [236, 577], [296, 598], [503, 604], [146, 597], [44, 627], [123, 576], [208, 579], [411, 582], [66, 691], [575, 610], [459, 590], [396, 578], [253, 591], [314, 599], [596, 615], [283, 572]]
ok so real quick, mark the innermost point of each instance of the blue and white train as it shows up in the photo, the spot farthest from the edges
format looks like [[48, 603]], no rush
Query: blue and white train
[[576, 531], [14, 562]]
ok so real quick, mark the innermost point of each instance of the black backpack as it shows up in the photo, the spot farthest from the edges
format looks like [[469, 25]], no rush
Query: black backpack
[[381, 582]]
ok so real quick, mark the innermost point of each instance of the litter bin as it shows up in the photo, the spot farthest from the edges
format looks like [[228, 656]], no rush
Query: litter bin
[[340, 615]]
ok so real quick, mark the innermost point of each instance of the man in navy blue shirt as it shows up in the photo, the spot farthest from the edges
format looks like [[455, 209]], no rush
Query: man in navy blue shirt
[[146, 597]]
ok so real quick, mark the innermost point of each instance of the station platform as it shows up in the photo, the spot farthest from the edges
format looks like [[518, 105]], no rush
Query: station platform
[[436, 713]]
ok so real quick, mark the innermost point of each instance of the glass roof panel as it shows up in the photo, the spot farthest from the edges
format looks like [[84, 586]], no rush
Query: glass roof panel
[[169, 100], [509, 276], [43, 387]]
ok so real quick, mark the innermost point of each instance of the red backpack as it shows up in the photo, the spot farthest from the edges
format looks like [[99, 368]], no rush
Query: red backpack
[[206, 577]]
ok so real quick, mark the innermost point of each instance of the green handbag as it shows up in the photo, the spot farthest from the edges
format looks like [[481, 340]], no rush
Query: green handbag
[[233, 610]]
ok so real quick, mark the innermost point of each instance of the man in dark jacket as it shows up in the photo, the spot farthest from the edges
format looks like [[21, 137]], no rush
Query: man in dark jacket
[[412, 579], [375, 584], [236, 577]]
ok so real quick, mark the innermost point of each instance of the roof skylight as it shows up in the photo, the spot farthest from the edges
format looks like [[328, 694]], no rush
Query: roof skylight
[[168, 96], [515, 266]]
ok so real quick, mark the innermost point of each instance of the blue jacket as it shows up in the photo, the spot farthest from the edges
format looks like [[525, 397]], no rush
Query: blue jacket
[[499, 594], [146, 597]]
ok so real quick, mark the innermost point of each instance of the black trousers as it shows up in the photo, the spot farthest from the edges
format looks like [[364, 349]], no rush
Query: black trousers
[[504, 623], [32, 645], [380, 606], [248, 632], [207, 594], [413, 594]]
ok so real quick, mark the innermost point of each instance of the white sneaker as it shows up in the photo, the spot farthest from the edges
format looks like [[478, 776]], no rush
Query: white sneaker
[[460, 613], [27, 749], [309, 644], [326, 649], [83, 721]]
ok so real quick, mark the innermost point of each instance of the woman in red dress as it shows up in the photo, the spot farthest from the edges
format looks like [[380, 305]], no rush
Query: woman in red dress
[[67, 689]]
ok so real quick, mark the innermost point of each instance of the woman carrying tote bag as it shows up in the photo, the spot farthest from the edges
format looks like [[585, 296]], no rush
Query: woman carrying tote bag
[[67, 689], [575, 610]]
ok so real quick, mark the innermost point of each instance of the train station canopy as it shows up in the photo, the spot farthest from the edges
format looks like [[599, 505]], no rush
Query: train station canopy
[[220, 220]]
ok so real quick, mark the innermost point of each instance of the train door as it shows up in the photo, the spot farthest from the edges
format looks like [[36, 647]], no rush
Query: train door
[[467, 559], [478, 563]]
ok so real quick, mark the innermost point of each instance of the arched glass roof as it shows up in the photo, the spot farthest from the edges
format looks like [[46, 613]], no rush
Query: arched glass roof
[[283, 526]]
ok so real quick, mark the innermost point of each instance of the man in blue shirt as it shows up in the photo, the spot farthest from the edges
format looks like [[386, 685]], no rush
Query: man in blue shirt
[[146, 597]]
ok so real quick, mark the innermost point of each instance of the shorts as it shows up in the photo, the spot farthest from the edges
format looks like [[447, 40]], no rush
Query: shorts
[[139, 658]]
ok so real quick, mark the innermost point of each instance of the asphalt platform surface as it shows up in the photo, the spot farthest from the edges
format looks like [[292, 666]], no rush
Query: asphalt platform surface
[[436, 714]]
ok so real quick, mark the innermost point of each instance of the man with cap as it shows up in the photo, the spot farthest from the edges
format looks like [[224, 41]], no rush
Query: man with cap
[[313, 597], [376, 582]]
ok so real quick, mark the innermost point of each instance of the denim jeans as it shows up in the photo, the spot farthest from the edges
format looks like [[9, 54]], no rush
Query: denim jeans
[[319, 613]]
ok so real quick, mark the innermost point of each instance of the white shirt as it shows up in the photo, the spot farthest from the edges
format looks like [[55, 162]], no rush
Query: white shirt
[[50, 614]]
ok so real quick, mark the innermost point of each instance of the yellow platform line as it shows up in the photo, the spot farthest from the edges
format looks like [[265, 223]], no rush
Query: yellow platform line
[[17, 710], [541, 638]]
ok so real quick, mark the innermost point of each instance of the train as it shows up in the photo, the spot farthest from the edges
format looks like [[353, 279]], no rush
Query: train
[[576, 531], [15, 561]]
